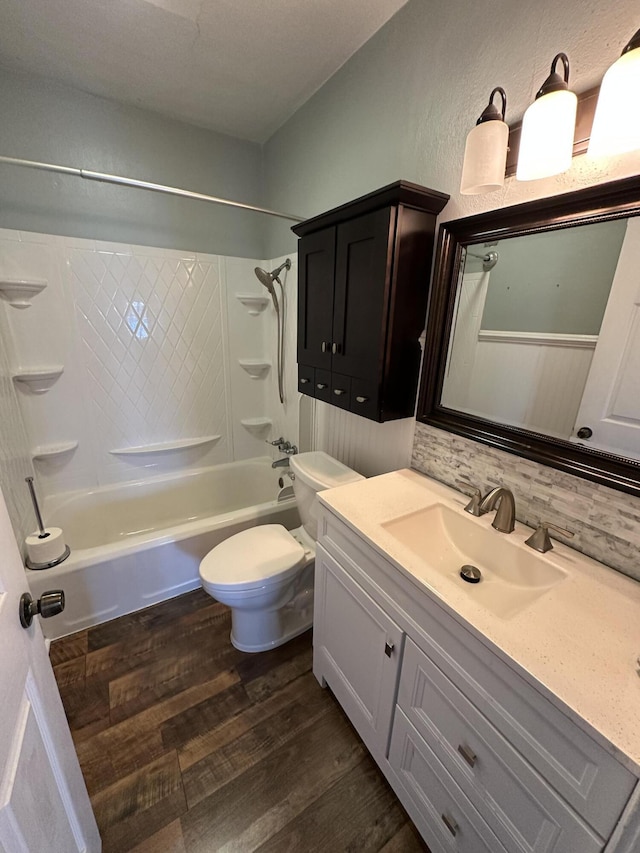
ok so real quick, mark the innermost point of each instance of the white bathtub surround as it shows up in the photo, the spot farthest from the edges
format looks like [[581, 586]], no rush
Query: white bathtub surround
[[139, 543], [606, 522], [150, 340], [15, 461]]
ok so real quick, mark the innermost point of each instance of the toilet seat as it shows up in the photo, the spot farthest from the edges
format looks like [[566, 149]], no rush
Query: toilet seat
[[257, 557]]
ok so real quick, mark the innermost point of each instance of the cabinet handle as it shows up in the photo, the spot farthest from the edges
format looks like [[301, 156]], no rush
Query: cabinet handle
[[325, 346], [468, 754], [321, 386], [303, 380], [450, 823], [339, 392], [388, 648], [361, 399]]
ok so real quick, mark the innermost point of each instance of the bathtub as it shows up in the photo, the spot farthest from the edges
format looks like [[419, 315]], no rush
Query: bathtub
[[136, 544]]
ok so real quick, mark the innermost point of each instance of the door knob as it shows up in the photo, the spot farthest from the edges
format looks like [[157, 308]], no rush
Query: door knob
[[49, 604]]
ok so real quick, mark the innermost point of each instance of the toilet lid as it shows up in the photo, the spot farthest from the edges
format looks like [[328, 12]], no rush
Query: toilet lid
[[255, 557]]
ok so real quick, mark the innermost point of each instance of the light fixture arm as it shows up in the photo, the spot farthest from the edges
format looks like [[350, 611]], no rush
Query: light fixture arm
[[632, 44], [554, 82], [491, 112]]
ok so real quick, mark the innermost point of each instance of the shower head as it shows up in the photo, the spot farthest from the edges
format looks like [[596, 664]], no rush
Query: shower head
[[267, 278]]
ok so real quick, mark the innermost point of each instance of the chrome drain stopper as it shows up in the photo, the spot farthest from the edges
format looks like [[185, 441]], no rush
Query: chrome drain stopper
[[471, 574]]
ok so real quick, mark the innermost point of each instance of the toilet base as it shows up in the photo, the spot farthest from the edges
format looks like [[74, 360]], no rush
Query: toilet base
[[272, 628]]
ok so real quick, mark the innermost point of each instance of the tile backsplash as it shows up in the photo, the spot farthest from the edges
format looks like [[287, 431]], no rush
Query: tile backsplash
[[606, 522]]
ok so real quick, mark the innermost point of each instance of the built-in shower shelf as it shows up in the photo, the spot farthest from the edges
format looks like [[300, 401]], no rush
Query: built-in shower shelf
[[39, 379], [256, 426], [254, 304], [254, 367], [165, 446], [20, 291], [51, 451]]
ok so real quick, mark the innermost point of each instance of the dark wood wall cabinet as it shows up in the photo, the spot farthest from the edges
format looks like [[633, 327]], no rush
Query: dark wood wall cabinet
[[363, 283]]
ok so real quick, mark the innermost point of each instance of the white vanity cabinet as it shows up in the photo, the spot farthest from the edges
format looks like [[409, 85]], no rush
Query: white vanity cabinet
[[357, 649], [481, 759]]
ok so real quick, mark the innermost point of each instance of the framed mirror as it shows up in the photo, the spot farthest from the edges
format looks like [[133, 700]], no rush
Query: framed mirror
[[533, 332]]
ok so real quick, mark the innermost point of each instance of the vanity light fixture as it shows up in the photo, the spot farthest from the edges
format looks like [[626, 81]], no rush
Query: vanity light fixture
[[485, 154], [616, 125], [548, 127]]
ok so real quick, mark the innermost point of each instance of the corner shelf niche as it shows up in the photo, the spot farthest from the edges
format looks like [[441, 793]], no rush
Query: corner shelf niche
[[254, 304], [256, 426], [165, 446], [19, 292], [39, 379], [45, 452], [254, 367]]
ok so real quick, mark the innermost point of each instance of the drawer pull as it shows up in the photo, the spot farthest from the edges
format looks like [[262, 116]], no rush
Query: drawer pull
[[468, 754], [321, 386], [303, 381], [323, 346], [361, 399], [388, 648], [339, 392], [450, 823]]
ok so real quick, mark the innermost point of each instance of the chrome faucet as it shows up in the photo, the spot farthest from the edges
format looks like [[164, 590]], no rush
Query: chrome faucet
[[506, 513], [288, 449]]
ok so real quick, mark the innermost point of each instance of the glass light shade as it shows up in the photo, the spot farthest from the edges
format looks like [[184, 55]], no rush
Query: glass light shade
[[485, 158], [616, 125], [546, 143]]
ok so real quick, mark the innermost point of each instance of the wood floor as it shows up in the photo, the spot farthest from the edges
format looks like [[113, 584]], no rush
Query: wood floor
[[188, 745]]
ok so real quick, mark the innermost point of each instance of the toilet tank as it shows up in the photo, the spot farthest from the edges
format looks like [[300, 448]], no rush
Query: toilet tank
[[314, 472]]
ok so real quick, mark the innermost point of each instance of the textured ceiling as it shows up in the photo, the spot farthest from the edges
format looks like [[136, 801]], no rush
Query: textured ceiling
[[240, 67]]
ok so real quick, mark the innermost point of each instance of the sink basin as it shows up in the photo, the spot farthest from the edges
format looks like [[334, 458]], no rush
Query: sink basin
[[445, 539]]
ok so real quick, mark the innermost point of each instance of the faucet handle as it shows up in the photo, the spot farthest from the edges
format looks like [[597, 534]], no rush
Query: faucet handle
[[276, 442], [473, 507], [540, 539]]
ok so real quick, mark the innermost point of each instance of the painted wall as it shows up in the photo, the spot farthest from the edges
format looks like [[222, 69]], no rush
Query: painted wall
[[401, 108], [404, 103], [51, 123], [556, 282]]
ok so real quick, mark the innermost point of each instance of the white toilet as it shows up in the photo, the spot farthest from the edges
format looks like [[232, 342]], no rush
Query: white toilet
[[265, 574]]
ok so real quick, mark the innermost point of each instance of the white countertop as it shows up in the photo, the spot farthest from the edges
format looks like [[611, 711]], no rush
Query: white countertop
[[580, 640]]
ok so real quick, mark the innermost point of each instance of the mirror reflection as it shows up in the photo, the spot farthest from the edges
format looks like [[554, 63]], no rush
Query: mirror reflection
[[546, 335]]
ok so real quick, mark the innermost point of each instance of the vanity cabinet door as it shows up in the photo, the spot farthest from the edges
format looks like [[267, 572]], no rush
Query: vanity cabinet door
[[356, 651]]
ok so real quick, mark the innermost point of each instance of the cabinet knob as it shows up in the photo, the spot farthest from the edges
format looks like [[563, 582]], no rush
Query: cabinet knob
[[303, 380], [450, 823], [585, 432], [339, 392], [388, 648], [468, 754], [324, 346], [321, 386], [361, 399]]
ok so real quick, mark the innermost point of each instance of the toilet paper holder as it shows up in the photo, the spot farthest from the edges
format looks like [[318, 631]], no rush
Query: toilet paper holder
[[43, 534]]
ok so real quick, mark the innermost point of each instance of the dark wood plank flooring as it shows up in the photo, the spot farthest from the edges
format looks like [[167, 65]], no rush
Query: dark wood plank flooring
[[190, 746]]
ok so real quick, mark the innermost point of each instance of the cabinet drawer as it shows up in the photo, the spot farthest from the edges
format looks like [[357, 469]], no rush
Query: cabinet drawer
[[441, 811], [340, 390], [521, 808], [322, 385], [364, 398], [306, 380]]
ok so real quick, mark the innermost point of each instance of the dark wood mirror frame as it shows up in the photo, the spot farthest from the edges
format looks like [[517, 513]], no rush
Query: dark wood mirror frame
[[613, 200]]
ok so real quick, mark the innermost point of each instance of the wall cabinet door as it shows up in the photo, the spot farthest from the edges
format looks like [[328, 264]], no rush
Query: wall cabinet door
[[357, 651], [364, 254], [316, 265]]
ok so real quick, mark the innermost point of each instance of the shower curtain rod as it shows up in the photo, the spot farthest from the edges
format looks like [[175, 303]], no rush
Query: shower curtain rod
[[90, 175]]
